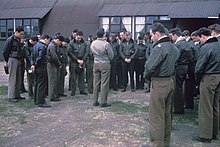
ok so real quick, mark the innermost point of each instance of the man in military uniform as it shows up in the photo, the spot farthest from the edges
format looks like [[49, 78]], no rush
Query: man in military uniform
[[62, 70], [215, 32], [139, 63], [78, 52], [114, 78], [181, 69], [207, 73], [103, 54], [160, 67], [39, 67], [128, 50], [53, 66], [12, 53], [27, 49]]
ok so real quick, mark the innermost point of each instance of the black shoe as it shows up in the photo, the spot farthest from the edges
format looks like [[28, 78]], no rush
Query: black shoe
[[73, 93], [13, 100], [63, 95], [105, 105], [147, 90], [55, 100], [132, 90], [123, 90], [215, 137], [45, 105], [20, 98], [95, 104], [83, 93], [197, 138], [115, 89]]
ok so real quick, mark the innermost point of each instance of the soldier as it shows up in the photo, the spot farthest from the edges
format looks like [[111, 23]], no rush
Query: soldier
[[128, 51], [181, 69], [78, 52], [207, 73], [62, 70], [139, 63], [89, 66], [215, 32], [12, 53], [72, 37], [114, 78], [39, 67], [103, 53], [53, 67], [160, 67], [28, 48], [190, 83]]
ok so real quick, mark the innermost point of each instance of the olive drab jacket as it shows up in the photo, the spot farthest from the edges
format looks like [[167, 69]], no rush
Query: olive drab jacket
[[162, 61], [128, 49], [208, 61], [78, 50]]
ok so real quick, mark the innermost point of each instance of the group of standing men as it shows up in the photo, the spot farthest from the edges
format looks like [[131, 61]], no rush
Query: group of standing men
[[171, 60], [174, 60]]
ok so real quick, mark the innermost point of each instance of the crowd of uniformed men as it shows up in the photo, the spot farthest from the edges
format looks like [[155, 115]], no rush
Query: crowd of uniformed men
[[46, 59]]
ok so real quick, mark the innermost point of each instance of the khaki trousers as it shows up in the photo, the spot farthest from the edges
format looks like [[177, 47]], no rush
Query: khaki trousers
[[160, 111], [101, 74], [52, 71], [209, 105], [75, 76], [14, 80]]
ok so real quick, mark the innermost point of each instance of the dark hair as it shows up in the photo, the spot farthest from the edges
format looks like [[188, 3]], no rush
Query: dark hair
[[45, 36], [75, 30], [186, 33], [34, 38], [19, 29], [215, 28], [140, 37], [100, 33], [59, 37], [204, 31], [80, 33], [67, 40], [158, 27], [176, 31], [195, 33]]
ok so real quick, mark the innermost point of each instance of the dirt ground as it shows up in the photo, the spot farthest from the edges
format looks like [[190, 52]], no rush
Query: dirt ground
[[74, 122]]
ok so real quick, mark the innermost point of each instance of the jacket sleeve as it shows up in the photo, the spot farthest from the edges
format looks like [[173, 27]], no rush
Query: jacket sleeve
[[152, 63], [52, 54], [6, 49], [121, 52], [201, 64], [136, 48], [70, 52]]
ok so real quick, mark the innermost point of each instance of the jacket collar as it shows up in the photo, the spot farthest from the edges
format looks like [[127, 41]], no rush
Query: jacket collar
[[165, 39], [210, 40]]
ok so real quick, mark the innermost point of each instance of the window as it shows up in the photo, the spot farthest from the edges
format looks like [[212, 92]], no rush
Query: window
[[115, 24], [3, 29], [10, 27], [126, 23], [139, 26], [27, 27], [104, 23], [31, 27], [34, 26]]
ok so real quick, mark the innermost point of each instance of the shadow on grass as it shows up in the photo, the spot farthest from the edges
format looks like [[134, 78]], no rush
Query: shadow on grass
[[120, 107]]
